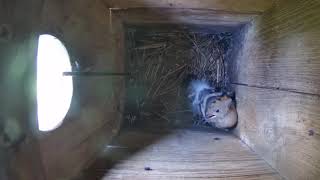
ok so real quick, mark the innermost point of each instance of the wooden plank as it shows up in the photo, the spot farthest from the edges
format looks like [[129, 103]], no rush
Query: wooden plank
[[227, 5], [94, 114], [181, 16], [69, 165], [281, 49], [20, 160], [279, 62], [181, 154], [66, 150], [283, 128]]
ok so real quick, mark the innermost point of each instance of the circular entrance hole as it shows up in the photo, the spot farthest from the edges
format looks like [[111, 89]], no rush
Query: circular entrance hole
[[54, 91]]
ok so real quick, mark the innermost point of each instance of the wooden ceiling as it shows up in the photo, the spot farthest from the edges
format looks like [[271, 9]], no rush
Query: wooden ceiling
[[226, 5]]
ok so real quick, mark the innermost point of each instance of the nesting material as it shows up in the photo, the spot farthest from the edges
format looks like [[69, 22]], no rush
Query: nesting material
[[163, 63]]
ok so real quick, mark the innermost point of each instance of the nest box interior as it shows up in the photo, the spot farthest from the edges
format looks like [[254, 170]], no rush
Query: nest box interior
[[139, 124]]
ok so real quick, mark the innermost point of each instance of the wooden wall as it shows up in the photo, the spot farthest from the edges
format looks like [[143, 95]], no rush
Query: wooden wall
[[19, 155], [200, 17], [84, 27], [277, 83], [225, 5], [94, 115]]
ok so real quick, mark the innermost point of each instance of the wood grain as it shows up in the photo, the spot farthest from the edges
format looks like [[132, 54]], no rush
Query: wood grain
[[93, 118], [182, 154], [228, 5], [277, 72], [22, 160], [181, 16], [283, 128], [281, 49]]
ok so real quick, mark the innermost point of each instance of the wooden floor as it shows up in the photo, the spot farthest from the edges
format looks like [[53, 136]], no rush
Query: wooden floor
[[180, 154]]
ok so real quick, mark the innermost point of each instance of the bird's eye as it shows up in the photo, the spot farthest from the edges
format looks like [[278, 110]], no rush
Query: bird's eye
[[217, 110]]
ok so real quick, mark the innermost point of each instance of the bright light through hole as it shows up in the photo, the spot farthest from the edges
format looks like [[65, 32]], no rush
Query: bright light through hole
[[54, 91]]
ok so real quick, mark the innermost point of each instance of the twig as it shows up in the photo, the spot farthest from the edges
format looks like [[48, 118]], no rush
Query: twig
[[182, 111], [174, 71], [159, 115]]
